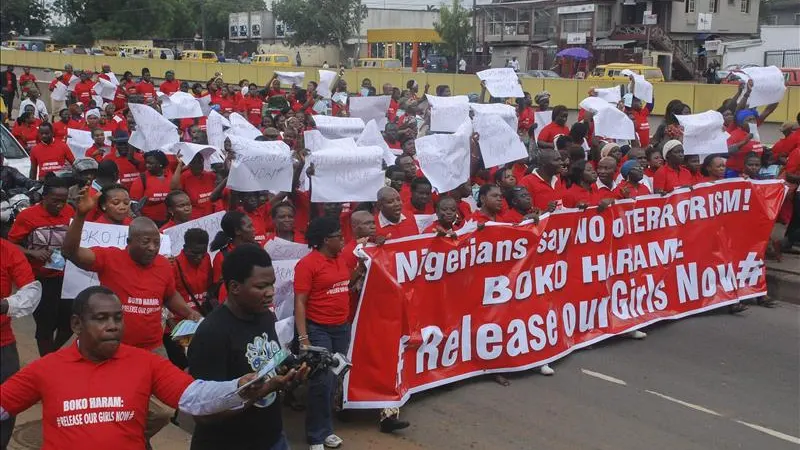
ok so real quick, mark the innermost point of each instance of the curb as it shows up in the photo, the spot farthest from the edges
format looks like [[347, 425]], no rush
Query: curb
[[783, 285]]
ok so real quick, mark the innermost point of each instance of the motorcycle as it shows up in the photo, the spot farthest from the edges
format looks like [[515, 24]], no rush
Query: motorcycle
[[12, 206]]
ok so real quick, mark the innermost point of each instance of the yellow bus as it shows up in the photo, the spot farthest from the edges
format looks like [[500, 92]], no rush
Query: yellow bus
[[271, 59], [611, 72], [199, 55], [379, 63]]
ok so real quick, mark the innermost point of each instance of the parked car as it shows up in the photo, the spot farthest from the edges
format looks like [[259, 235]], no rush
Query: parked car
[[611, 72], [436, 63], [540, 74], [13, 153]]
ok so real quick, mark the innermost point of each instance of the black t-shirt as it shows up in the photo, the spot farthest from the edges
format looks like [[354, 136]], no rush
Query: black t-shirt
[[224, 348]]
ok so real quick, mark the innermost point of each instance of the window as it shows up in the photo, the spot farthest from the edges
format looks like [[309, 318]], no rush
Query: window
[[689, 5], [577, 23], [771, 20], [713, 6], [797, 19], [745, 6], [603, 18]]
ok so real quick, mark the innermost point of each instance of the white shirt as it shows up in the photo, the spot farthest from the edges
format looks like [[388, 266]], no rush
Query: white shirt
[[462, 66], [514, 65], [40, 110]]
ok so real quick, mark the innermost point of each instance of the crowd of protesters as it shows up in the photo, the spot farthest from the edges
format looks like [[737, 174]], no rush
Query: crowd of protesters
[[568, 166]]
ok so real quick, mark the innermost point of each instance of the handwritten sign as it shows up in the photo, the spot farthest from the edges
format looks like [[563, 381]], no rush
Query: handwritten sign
[[445, 158], [187, 151], [424, 221], [612, 123], [314, 140], [703, 133], [371, 108], [507, 112], [209, 223], [282, 250], [541, 119], [291, 78], [610, 95], [642, 89], [153, 130], [371, 136], [448, 113], [99, 235], [498, 142], [502, 82], [768, 85], [260, 166], [242, 127], [339, 127], [285, 255], [215, 127], [346, 175]]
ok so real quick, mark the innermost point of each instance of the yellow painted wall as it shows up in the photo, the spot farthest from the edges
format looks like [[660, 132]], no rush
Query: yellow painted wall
[[700, 97]]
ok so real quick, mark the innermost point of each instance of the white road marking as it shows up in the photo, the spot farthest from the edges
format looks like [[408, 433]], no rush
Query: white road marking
[[604, 377], [686, 404], [773, 433]]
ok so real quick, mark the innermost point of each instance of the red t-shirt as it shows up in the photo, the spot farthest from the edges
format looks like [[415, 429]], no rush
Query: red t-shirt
[[785, 146], [253, 107], [297, 237], [96, 153], [625, 189], [50, 157], [642, 126], [550, 131], [128, 172], [410, 210], [736, 161], [542, 192], [83, 92], [793, 162], [104, 402], [262, 221], [142, 291], [578, 194], [26, 78], [526, 120], [169, 87], [197, 278], [227, 105], [104, 219], [36, 218], [391, 113], [326, 281], [668, 179], [199, 189], [27, 135], [15, 271], [156, 193], [406, 227], [60, 128], [146, 89]]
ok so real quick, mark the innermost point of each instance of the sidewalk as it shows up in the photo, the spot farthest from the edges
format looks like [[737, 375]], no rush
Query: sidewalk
[[783, 278]]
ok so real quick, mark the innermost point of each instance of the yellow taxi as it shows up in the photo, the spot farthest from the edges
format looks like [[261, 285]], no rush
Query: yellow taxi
[[199, 55], [271, 59], [380, 63], [611, 72]]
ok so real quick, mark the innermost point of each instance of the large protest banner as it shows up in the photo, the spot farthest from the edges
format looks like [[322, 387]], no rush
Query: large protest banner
[[435, 310]]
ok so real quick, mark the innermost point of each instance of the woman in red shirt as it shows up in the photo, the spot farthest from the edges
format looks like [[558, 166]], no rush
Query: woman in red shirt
[[713, 168], [631, 185], [741, 142], [672, 175], [227, 101], [179, 209], [115, 205], [99, 149], [236, 229], [692, 164], [448, 218], [151, 188], [283, 221], [490, 204], [557, 127], [583, 191], [60, 127], [197, 183], [26, 131], [321, 311], [520, 206], [526, 118]]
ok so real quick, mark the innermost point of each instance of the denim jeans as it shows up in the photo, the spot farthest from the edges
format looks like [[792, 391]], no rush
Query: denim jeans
[[281, 444], [9, 365], [319, 411]]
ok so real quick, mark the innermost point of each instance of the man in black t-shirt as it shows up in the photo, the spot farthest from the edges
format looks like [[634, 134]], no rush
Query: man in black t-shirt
[[235, 339]]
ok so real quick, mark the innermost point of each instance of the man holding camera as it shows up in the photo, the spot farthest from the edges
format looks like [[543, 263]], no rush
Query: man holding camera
[[238, 338]]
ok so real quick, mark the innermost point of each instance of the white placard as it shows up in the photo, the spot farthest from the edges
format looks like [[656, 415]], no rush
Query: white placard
[[448, 113], [502, 82], [80, 140], [99, 235], [260, 166], [59, 93], [371, 108], [642, 89], [283, 301], [507, 112], [154, 130], [611, 95], [205, 104], [314, 140], [498, 142], [594, 104], [214, 129], [181, 105], [339, 127], [612, 123], [542, 119], [703, 133], [283, 250], [326, 78], [105, 89], [73, 82], [371, 136], [241, 127], [346, 175], [445, 158], [424, 221], [291, 78], [768, 85], [188, 150], [209, 223], [754, 131]]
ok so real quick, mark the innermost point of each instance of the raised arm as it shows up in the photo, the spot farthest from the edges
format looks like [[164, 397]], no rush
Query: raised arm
[[71, 249]]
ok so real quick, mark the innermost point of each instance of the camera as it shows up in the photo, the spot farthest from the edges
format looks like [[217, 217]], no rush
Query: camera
[[318, 360]]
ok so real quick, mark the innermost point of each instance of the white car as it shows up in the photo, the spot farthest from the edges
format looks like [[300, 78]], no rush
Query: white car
[[13, 153]]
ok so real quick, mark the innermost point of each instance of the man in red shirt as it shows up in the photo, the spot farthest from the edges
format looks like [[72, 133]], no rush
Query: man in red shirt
[[421, 199], [129, 163], [108, 399], [49, 155], [672, 175], [544, 184], [15, 272], [253, 105], [39, 231], [390, 221], [83, 90], [27, 80], [145, 86], [170, 84]]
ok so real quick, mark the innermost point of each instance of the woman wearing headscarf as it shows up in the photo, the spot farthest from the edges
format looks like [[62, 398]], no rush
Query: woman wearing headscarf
[[741, 142], [671, 175], [631, 185]]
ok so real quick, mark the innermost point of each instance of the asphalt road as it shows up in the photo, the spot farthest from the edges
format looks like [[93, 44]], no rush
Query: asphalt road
[[714, 381]]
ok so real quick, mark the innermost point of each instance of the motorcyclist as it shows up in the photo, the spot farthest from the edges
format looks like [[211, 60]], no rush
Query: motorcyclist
[[13, 182]]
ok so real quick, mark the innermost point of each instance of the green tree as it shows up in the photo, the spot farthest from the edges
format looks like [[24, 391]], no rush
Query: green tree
[[16, 15], [454, 27], [321, 22]]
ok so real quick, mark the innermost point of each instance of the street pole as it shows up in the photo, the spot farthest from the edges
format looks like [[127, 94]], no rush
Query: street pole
[[203, 24], [474, 31]]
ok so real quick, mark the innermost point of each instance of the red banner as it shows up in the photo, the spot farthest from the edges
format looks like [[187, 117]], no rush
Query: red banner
[[435, 310]]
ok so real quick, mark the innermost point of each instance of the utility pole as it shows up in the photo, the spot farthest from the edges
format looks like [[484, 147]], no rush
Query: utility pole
[[203, 22], [474, 31]]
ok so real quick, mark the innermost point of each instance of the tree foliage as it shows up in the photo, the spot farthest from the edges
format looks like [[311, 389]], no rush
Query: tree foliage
[[17, 15], [454, 27], [320, 22]]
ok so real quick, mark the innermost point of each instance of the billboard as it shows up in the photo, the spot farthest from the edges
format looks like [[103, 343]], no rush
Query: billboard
[[255, 25], [239, 25]]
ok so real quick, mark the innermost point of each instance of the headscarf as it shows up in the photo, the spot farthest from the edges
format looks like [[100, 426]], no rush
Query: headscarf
[[743, 114], [540, 96], [669, 145], [627, 167], [93, 112], [607, 149]]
